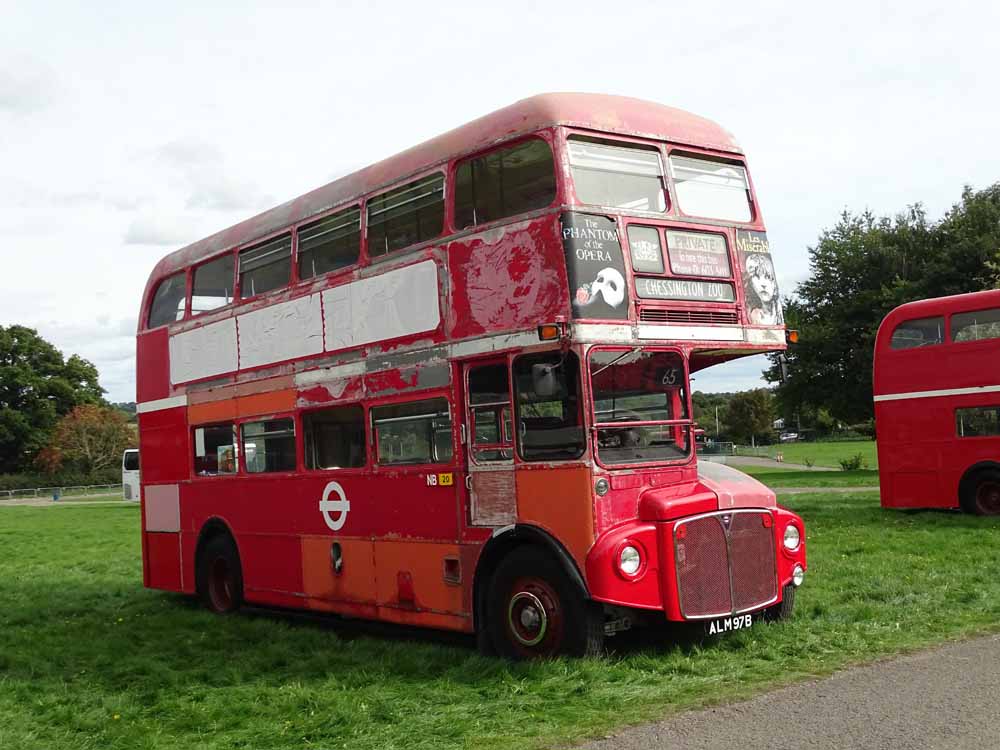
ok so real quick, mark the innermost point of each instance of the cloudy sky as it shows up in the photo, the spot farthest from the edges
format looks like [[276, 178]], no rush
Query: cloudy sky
[[128, 130]]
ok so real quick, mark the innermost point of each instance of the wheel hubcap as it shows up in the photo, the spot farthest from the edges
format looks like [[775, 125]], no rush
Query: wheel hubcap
[[988, 498], [527, 617], [220, 585]]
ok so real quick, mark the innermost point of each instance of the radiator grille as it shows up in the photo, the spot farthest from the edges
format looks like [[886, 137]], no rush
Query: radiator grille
[[659, 315], [722, 571]]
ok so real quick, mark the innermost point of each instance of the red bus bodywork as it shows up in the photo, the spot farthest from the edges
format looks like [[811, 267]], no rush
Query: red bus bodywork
[[929, 388], [419, 543]]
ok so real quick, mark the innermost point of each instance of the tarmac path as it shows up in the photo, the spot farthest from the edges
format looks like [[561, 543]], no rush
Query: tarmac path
[[945, 698]]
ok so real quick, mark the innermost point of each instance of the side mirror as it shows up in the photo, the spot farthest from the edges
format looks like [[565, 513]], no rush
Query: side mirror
[[544, 381], [783, 366]]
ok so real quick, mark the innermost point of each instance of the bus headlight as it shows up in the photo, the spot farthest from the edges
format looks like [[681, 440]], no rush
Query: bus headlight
[[629, 560], [792, 537]]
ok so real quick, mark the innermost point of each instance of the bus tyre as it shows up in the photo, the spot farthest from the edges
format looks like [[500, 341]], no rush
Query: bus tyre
[[783, 609], [220, 577], [534, 610], [981, 493]]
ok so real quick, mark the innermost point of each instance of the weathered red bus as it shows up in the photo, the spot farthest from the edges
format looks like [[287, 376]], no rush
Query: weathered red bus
[[452, 389], [937, 404]]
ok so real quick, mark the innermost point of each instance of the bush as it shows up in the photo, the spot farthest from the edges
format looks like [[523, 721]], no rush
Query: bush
[[853, 463], [62, 479]]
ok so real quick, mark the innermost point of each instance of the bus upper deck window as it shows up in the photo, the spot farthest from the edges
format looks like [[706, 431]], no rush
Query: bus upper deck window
[[973, 326], [405, 216], [505, 182], [168, 302], [330, 243], [617, 176], [266, 267], [712, 189], [213, 285], [911, 334]]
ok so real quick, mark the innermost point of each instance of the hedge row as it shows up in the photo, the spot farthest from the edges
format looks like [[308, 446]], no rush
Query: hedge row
[[112, 475]]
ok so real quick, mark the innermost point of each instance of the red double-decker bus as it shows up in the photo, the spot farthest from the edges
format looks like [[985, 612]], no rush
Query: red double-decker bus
[[452, 389], [937, 404]]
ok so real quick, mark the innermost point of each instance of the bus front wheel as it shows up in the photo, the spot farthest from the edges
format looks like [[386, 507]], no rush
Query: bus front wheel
[[220, 576], [981, 493], [534, 610]]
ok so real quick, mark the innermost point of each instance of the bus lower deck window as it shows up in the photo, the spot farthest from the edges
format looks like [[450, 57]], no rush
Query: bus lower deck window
[[416, 432], [269, 446], [549, 420], [335, 438], [215, 450]]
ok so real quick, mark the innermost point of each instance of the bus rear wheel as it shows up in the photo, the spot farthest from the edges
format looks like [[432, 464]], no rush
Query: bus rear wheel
[[220, 576], [981, 493], [535, 612]]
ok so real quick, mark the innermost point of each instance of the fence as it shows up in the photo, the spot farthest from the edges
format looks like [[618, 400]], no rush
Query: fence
[[81, 491], [716, 449]]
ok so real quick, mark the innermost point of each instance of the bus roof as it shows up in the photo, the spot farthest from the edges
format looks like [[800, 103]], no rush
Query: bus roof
[[600, 112], [937, 306]]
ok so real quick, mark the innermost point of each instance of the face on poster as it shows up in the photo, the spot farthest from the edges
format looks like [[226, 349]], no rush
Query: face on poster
[[595, 266], [760, 287]]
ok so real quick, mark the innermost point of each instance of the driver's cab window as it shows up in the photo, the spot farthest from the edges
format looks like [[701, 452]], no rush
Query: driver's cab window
[[549, 418], [490, 410]]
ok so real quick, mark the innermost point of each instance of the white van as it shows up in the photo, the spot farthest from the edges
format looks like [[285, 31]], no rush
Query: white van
[[130, 474]]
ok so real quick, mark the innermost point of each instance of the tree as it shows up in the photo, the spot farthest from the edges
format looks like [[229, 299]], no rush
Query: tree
[[859, 271], [37, 387], [750, 415], [89, 438]]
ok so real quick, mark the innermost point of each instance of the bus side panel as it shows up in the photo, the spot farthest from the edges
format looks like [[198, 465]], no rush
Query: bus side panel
[[152, 365], [163, 557], [509, 278], [163, 443], [913, 440]]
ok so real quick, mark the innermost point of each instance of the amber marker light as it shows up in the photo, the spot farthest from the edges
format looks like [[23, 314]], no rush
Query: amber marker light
[[792, 336], [549, 331]]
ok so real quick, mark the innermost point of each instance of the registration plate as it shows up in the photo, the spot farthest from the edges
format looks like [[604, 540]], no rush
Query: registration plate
[[728, 624]]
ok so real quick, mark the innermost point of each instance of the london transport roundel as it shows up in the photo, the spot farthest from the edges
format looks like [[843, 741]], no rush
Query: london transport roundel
[[339, 507]]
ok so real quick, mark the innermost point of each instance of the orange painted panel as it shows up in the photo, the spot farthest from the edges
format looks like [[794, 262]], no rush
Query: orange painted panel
[[265, 403], [559, 501], [424, 562], [214, 411], [426, 619], [356, 582]]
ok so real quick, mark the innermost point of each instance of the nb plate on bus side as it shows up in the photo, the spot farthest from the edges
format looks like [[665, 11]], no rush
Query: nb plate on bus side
[[722, 625]]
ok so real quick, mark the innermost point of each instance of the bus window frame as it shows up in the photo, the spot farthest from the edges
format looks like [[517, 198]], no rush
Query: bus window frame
[[456, 444], [300, 435], [236, 277], [622, 141], [237, 446], [443, 169], [733, 158], [582, 395], [292, 280], [688, 423], [188, 276], [548, 136], [297, 278]]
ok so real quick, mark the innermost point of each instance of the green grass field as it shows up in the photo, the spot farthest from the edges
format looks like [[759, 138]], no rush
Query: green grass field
[[89, 659], [779, 477], [821, 454]]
